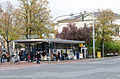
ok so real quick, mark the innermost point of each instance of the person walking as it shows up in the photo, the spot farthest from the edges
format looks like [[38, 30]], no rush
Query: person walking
[[38, 56]]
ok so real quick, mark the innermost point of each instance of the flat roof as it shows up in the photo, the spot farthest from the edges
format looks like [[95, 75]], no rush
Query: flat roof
[[47, 40]]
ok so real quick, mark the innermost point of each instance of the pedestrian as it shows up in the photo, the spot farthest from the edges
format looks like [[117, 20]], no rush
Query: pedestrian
[[31, 55], [4, 58], [59, 56], [8, 57], [24, 55], [54, 57], [78, 55], [17, 58], [12, 58], [43, 54], [38, 56], [21, 55], [28, 57], [66, 56]]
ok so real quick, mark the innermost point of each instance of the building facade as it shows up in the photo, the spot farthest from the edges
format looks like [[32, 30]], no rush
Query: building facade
[[87, 20]]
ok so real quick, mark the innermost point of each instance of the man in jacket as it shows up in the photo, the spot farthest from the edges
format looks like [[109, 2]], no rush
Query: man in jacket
[[38, 56]]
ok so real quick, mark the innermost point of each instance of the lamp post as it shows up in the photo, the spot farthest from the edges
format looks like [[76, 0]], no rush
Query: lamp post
[[94, 55], [93, 37]]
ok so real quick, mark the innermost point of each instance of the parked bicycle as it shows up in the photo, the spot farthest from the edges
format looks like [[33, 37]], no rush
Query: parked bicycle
[[15, 59]]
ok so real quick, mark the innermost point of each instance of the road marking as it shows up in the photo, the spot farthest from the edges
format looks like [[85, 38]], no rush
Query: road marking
[[8, 76], [8, 68], [118, 75]]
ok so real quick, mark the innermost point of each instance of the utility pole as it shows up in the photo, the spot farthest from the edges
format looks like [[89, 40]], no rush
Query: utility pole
[[49, 47], [93, 37]]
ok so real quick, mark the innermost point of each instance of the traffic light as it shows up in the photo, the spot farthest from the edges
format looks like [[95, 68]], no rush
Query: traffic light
[[51, 45], [82, 17], [48, 45]]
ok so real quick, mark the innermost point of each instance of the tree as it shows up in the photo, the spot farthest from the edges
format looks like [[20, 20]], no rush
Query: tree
[[35, 16], [105, 27], [72, 32], [9, 28]]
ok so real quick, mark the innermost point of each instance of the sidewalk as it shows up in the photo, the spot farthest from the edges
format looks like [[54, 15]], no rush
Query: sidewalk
[[25, 63]]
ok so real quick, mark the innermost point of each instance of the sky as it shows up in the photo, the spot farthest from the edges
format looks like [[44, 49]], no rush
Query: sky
[[61, 7], [65, 7]]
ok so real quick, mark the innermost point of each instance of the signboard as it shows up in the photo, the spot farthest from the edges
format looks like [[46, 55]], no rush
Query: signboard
[[81, 55], [81, 44], [31, 36]]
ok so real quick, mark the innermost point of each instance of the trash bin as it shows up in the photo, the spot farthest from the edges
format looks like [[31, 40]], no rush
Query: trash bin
[[99, 54]]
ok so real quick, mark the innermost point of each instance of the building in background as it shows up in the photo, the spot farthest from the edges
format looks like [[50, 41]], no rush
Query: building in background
[[85, 19]]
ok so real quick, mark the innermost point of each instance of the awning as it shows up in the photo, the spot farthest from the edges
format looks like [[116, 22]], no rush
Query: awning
[[48, 40]]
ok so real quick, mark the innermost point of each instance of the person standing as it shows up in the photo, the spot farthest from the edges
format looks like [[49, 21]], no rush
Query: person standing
[[31, 55], [38, 56], [8, 57], [59, 55], [43, 54], [21, 55], [24, 55]]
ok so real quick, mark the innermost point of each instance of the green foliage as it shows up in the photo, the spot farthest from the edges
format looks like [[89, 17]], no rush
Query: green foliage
[[112, 47], [35, 16], [9, 26], [105, 25]]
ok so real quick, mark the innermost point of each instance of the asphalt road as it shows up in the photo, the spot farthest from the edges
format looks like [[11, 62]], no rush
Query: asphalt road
[[108, 68]]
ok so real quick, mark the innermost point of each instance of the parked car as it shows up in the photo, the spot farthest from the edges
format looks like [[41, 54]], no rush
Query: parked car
[[112, 54]]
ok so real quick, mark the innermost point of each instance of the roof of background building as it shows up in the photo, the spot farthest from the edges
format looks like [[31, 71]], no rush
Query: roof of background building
[[78, 17], [48, 40]]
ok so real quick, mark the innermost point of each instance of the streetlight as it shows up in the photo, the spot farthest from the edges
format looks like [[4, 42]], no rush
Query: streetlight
[[93, 37], [93, 34]]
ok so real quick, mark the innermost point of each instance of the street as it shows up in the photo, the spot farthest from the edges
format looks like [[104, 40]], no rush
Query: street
[[105, 68]]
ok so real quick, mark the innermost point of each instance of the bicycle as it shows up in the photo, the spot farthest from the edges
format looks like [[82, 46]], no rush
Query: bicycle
[[15, 59]]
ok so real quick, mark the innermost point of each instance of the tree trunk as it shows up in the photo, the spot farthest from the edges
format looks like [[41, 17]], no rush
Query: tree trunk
[[27, 32], [8, 46], [102, 47]]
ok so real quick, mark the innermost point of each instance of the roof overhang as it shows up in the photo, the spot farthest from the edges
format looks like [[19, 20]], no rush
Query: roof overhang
[[48, 40]]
